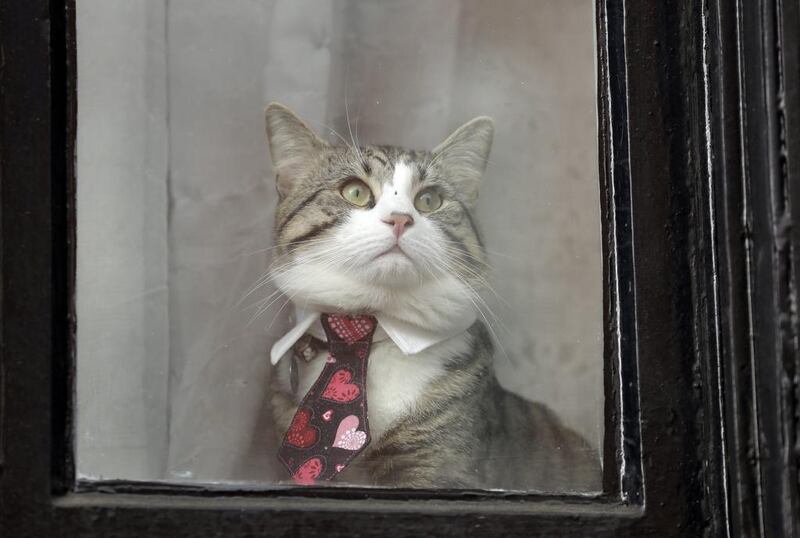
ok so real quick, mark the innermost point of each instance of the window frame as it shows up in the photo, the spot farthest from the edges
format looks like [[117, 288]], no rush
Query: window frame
[[698, 110]]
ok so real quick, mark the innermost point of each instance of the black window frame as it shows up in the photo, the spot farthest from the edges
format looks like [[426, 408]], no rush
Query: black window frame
[[699, 111]]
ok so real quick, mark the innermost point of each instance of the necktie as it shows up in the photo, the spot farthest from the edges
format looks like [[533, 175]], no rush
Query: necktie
[[330, 427]]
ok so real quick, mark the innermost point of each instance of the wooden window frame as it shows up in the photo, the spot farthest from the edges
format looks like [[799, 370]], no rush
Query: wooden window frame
[[699, 109]]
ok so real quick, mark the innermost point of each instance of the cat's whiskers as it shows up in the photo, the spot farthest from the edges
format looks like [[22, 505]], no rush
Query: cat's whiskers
[[274, 298], [260, 282], [358, 116], [298, 280], [291, 243], [258, 304], [332, 131], [459, 245], [268, 275], [485, 250], [481, 279], [271, 323], [322, 248], [475, 297], [457, 253], [454, 253], [347, 118], [284, 245]]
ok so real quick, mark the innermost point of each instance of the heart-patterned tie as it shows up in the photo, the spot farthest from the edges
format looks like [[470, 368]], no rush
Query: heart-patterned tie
[[330, 427]]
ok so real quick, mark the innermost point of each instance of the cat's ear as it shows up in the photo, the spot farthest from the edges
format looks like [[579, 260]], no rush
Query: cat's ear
[[293, 145], [464, 155]]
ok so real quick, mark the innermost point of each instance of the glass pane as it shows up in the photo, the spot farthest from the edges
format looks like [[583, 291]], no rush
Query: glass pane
[[465, 255]]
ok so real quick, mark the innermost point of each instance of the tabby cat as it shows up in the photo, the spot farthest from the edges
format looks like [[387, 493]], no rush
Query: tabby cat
[[438, 417]]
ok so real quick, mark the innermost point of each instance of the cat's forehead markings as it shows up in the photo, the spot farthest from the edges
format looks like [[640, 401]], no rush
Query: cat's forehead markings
[[367, 168], [401, 179], [378, 158]]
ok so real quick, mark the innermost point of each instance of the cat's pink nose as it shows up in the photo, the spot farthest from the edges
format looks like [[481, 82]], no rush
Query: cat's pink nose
[[400, 221]]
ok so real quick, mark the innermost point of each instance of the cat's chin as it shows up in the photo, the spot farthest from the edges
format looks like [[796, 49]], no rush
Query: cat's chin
[[393, 269], [424, 302]]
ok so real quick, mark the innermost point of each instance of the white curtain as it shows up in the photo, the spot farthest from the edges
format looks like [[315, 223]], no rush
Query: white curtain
[[123, 340], [181, 348]]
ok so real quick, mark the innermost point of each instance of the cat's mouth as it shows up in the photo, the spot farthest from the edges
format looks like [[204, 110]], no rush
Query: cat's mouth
[[395, 250]]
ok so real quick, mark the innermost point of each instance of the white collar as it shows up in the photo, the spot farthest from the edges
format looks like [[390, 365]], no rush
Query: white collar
[[408, 337]]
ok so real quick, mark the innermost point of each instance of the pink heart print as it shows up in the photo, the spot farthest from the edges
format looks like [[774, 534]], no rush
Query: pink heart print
[[351, 329], [339, 388], [307, 473], [348, 436]]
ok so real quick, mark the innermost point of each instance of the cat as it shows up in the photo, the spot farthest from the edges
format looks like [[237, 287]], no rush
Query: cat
[[438, 417]]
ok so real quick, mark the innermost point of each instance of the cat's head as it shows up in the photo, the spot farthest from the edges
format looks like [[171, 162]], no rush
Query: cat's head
[[378, 228]]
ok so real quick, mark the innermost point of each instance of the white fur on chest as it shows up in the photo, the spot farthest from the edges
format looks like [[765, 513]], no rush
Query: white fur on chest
[[395, 382]]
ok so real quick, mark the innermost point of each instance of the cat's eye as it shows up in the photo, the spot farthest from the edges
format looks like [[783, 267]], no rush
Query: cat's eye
[[356, 192], [428, 200]]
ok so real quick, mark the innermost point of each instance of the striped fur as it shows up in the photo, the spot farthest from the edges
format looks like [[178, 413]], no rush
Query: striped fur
[[446, 422]]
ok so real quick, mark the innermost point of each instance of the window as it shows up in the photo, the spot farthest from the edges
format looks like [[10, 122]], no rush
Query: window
[[175, 203]]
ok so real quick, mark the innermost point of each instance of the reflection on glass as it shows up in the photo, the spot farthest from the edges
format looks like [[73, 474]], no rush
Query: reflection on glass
[[195, 262]]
